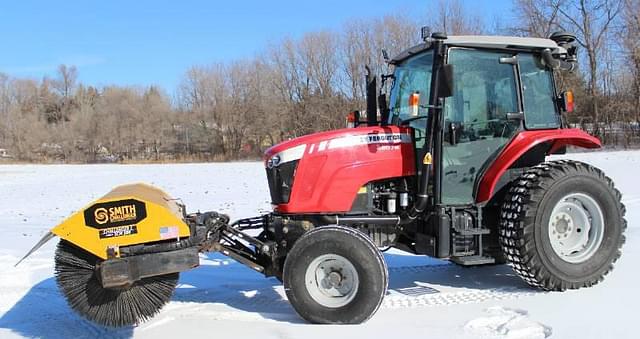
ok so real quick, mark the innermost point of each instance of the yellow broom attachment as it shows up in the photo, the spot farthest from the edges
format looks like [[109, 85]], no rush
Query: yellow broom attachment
[[120, 290], [128, 215]]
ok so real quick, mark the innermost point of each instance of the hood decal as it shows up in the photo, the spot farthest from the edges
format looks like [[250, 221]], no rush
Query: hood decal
[[387, 136], [363, 139]]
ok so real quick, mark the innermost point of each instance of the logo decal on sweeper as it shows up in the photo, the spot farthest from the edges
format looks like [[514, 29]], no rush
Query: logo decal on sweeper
[[115, 213], [101, 215]]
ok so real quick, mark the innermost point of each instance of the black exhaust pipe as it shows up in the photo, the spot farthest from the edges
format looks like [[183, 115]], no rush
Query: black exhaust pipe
[[372, 103]]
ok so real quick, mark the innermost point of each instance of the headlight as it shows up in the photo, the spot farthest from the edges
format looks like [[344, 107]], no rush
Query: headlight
[[274, 161], [281, 180]]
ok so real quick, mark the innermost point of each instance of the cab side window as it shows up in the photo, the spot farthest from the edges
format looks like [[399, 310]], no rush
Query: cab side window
[[540, 110]]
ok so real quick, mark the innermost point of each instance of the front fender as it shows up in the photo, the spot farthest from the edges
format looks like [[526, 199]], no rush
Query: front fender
[[523, 142]]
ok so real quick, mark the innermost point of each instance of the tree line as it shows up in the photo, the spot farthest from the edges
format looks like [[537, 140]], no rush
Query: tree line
[[296, 86]]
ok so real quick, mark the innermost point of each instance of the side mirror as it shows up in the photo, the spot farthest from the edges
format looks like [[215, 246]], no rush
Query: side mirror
[[566, 101], [445, 81]]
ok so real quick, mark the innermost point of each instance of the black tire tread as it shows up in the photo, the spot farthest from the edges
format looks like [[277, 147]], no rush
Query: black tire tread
[[517, 222]]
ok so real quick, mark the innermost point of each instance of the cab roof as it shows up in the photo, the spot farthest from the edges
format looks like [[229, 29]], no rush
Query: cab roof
[[482, 41]]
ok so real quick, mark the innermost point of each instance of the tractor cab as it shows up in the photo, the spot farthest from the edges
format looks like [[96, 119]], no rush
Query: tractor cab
[[500, 86]]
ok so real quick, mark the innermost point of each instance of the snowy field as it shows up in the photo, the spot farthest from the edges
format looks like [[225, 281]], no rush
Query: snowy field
[[427, 298]]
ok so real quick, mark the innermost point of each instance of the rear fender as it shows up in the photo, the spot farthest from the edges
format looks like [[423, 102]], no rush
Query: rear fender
[[521, 144]]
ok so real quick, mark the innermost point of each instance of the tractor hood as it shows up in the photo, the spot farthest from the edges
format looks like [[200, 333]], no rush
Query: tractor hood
[[294, 149], [323, 172], [298, 145]]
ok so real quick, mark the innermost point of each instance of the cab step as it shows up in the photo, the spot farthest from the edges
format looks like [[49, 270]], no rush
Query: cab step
[[473, 231], [473, 260]]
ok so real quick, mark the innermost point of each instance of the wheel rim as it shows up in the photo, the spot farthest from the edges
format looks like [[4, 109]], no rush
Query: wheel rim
[[331, 280], [576, 228]]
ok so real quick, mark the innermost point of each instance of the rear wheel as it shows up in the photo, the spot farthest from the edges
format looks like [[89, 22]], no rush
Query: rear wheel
[[562, 225], [335, 274]]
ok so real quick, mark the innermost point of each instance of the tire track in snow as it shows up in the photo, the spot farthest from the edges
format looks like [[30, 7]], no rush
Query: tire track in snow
[[423, 295], [455, 298]]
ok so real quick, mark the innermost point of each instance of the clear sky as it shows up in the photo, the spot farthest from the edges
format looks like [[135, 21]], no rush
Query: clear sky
[[155, 42]]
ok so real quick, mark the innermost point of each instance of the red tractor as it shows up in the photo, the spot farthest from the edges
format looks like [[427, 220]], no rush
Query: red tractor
[[450, 164]]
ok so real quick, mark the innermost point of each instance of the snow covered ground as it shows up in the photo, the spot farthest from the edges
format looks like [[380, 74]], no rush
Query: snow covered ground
[[427, 298]]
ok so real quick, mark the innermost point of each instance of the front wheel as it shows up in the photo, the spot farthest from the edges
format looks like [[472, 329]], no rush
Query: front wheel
[[335, 275], [562, 225]]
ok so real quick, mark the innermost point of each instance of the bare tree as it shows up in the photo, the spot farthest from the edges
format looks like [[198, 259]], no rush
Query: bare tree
[[453, 18], [362, 44], [66, 80], [318, 61], [537, 18], [592, 21], [5, 105], [629, 33]]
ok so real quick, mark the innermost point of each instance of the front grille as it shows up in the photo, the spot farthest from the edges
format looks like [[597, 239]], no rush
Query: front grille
[[280, 180]]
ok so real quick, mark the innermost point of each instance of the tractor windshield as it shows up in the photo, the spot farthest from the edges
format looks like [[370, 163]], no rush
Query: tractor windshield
[[410, 90]]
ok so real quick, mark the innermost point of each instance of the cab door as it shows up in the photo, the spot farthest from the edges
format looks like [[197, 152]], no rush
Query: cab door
[[478, 118]]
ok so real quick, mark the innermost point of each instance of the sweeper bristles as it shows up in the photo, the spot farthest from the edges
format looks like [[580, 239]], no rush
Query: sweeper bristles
[[75, 272]]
